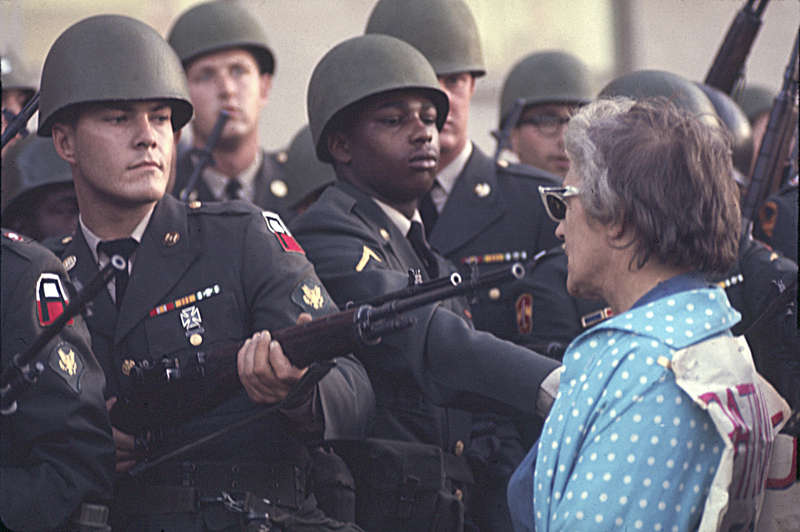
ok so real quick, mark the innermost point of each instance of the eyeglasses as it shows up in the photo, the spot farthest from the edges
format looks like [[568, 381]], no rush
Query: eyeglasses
[[554, 200], [546, 124]]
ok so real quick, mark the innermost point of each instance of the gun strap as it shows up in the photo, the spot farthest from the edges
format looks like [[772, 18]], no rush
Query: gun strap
[[783, 298]]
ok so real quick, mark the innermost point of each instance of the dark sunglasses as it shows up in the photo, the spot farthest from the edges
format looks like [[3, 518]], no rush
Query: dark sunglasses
[[546, 124], [554, 200]]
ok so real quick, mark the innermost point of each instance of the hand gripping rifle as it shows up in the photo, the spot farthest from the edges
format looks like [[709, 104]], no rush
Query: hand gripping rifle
[[20, 121], [728, 65], [25, 368], [776, 144], [169, 391], [206, 155]]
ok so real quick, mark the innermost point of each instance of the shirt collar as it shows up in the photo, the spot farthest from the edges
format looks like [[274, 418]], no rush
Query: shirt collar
[[680, 283], [448, 175], [398, 218], [216, 181], [92, 239]]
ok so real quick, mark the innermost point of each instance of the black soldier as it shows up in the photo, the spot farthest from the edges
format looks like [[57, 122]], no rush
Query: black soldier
[[304, 171], [38, 196], [56, 450], [113, 96], [551, 84], [229, 67], [379, 127]]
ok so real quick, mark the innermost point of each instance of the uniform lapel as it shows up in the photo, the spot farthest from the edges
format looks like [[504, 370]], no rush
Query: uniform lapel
[[158, 265], [469, 209]]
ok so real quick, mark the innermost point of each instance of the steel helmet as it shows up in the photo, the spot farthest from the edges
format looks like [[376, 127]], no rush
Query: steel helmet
[[15, 74], [306, 174], [111, 58], [755, 100], [361, 67], [737, 123]]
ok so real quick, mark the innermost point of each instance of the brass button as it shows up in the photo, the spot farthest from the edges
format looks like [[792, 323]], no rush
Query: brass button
[[278, 188], [282, 157], [502, 163], [195, 339], [171, 238], [483, 189], [494, 294], [195, 204], [384, 233], [67, 239], [458, 450], [459, 494]]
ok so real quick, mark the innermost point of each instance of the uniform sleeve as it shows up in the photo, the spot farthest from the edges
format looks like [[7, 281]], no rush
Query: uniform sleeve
[[275, 272], [57, 448], [453, 364]]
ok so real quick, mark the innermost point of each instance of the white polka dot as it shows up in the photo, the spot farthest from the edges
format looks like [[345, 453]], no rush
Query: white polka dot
[[593, 457], [642, 380], [670, 463], [561, 417], [669, 329], [689, 321], [618, 394], [677, 508], [651, 460], [575, 412], [607, 477], [657, 420], [584, 495], [615, 351], [562, 468], [593, 343], [678, 400], [567, 440], [555, 445], [634, 438], [569, 495], [626, 479], [637, 418], [583, 377], [649, 361], [648, 328], [689, 334], [557, 495], [654, 440], [625, 374], [715, 450], [634, 344], [631, 458], [671, 302], [576, 356], [638, 524], [618, 521], [681, 486], [676, 421], [693, 509], [611, 457], [598, 518], [623, 500], [689, 444], [600, 375], [585, 386], [612, 413], [696, 488], [707, 326], [589, 475], [628, 326], [653, 343], [669, 317], [662, 505], [709, 312], [690, 307], [646, 482], [579, 515], [643, 503], [612, 341], [589, 401], [549, 472], [669, 341], [665, 484], [657, 527]]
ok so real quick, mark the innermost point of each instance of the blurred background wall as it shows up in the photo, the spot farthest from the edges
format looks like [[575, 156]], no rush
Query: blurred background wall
[[612, 36]]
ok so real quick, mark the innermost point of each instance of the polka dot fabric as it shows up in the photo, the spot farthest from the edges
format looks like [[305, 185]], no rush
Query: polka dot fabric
[[624, 447]]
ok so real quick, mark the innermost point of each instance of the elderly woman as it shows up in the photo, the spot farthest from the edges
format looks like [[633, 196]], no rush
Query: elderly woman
[[661, 422]]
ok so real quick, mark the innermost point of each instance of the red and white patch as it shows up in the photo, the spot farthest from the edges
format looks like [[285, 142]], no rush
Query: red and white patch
[[281, 232], [51, 298], [524, 308], [13, 236]]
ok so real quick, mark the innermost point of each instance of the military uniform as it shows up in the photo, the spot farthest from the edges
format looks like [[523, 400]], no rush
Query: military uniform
[[270, 185], [491, 218], [224, 271], [776, 224], [56, 449]]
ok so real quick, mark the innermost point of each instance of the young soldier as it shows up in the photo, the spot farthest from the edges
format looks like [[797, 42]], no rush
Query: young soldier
[[551, 85], [56, 450], [379, 127], [113, 98], [229, 67]]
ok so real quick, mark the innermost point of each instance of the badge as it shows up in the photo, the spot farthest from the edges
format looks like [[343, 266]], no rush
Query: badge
[[524, 308], [281, 232], [66, 362], [69, 262], [186, 300], [51, 299], [312, 298], [593, 318], [366, 254], [192, 325], [171, 238], [278, 188], [195, 204], [494, 294]]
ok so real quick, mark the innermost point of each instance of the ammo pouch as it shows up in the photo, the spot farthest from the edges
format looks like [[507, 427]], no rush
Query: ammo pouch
[[402, 486]]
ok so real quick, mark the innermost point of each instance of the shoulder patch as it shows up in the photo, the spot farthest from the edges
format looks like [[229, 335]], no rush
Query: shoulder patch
[[281, 232], [66, 362], [16, 237], [51, 298], [311, 297]]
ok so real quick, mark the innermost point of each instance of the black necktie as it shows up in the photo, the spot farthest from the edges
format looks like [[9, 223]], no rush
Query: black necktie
[[417, 238], [232, 188], [123, 247], [427, 209]]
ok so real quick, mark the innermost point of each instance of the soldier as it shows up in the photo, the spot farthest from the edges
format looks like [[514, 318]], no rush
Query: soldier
[[18, 85], [308, 175], [56, 450], [229, 67], [379, 127], [38, 196], [551, 85], [113, 97]]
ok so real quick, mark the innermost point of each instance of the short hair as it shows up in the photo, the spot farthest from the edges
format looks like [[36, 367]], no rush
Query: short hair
[[663, 176]]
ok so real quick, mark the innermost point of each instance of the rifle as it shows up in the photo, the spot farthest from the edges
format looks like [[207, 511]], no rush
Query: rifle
[[728, 65], [206, 156], [503, 135], [24, 370], [170, 391], [20, 121], [776, 143]]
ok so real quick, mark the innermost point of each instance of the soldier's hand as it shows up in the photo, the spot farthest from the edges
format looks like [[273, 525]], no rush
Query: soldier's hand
[[123, 443], [264, 371]]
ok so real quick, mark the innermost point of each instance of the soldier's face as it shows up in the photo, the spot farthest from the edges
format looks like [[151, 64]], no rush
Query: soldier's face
[[391, 147], [120, 152], [542, 145], [454, 135], [228, 80]]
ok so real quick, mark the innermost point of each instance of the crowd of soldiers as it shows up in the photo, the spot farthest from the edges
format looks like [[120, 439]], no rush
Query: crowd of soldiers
[[213, 242]]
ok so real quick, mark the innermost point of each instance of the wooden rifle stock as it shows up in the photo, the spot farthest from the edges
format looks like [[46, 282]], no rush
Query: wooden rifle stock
[[729, 62]]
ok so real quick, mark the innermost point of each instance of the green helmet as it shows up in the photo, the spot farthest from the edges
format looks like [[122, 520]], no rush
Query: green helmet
[[29, 164], [443, 30], [14, 74], [653, 83], [754, 100], [738, 125], [218, 25], [546, 77], [107, 58], [306, 174], [361, 67]]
